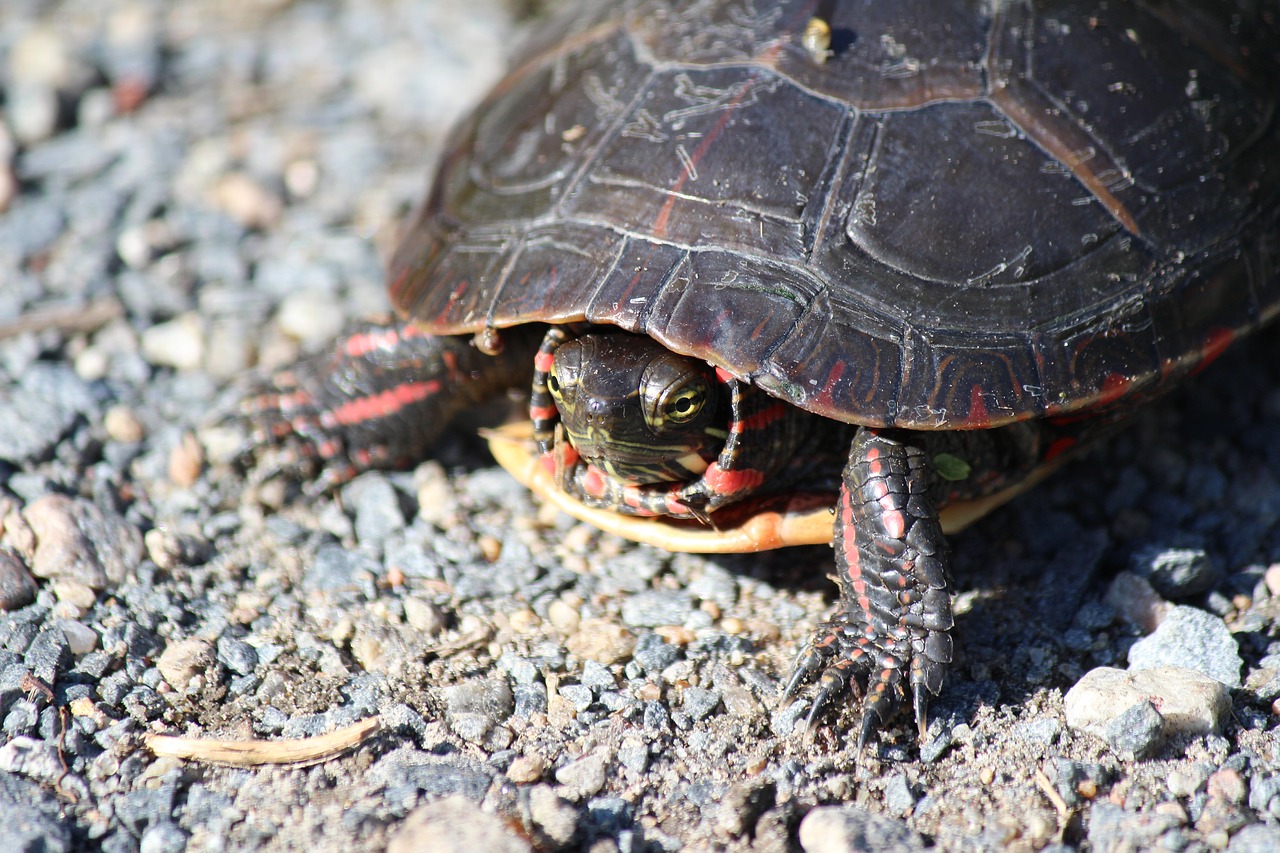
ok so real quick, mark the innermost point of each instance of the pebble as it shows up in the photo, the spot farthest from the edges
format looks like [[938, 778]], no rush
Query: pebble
[[555, 820], [845, 829], [1177, 572], [1190, 637], [182, 660], [376, 505], [1136, 601], [178, 343], [81, 639], [237, 655], [582, 778], [454, 825], [699, 703], [123, 425], [36, 412], [77, 541], [247, 201], [530, 767], [1113, 828], [602, 641], [655, 607], [424, 617], [17, 586], [313, 317], [1188, 701], [899, 799], [1136, 732]]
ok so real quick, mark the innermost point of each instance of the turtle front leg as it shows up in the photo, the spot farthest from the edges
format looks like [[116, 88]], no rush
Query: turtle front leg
[[893, 621], [377, 400]]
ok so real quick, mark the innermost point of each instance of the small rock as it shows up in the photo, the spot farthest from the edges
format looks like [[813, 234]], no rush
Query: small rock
[[81, 639], [655, 607], [565, 618], [1227, 785], [247, 201], [423, 616], [1136, 601], [841, 829], [376, 505], [1188, 701], [602, 641], [552, 817], [1272, 578], [1113, 828], [313, 317], [898, 796], [454, 825], [1191, 638], [1177, 572], [17, 586], [123, 425], [527, 768], [178, 343], [699, 703], [77, 541], [237, 655], [1137, 732], [182, 660], [163, 837], [582, 778]]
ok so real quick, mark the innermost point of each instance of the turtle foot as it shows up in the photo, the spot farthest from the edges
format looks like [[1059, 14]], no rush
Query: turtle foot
[[848, 660]]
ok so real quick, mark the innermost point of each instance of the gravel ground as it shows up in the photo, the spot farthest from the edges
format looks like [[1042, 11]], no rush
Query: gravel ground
[[198, 189]]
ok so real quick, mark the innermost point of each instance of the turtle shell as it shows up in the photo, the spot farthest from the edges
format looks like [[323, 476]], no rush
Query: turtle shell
[[953, 215]]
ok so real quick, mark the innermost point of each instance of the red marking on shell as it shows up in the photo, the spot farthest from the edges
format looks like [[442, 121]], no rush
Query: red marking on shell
[[1115, 386], [724, 375], [879, 488], [978, 415], [1059, 447], [385, 404], [833, 376], [1215, 343], [725, 482]]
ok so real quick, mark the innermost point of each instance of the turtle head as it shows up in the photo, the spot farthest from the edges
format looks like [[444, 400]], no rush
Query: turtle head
[[637, 410]]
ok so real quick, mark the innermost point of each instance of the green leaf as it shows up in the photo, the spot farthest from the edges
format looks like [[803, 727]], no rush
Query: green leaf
[[950, 467]]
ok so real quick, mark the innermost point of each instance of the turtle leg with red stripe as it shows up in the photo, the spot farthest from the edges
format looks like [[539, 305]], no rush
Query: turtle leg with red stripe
[[377, 400], [891, 629], [895, 606]]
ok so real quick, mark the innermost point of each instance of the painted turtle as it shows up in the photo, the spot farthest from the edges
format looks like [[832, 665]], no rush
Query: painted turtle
[[904, 253]]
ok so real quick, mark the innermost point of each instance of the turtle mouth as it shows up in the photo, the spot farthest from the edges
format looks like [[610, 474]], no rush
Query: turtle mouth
[[642, 464]]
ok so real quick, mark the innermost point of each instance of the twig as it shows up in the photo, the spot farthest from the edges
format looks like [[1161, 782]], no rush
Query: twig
[[249, 753], [66, 318]]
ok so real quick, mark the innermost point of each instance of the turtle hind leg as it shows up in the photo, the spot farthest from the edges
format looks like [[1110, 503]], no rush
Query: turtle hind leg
[[378, 399], [891, 628]]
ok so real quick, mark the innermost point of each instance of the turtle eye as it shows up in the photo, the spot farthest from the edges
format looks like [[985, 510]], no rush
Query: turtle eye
[[683, 404], [553, 385]]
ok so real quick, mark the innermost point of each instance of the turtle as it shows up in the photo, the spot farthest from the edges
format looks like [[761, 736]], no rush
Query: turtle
[[891, 257]]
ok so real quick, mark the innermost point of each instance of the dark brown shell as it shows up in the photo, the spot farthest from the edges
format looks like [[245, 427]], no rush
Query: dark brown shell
[[955, 219]]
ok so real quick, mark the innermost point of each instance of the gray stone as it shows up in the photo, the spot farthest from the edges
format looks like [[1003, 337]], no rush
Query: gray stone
[[1177, 572], [17, 586], [1113, 828], [898, 795], [454, 825], [377, 508], [39, 410], [1189, 702], [844, 829], [1190, 637], [699, 703], [1137, 732], [237, 655], [655, 607]]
